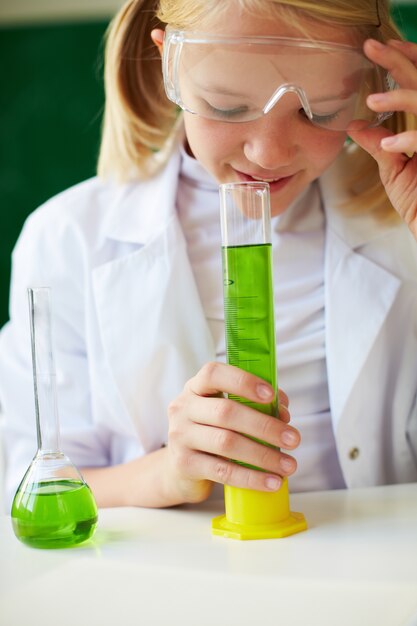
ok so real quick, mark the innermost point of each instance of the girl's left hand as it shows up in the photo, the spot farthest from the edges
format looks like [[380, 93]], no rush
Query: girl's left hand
[[396, 155]]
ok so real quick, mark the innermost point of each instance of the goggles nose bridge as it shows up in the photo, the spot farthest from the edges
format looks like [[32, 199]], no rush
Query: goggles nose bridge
[[289, 88]]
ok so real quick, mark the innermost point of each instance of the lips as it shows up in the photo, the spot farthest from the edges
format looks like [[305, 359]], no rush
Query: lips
[[274, 183], [266, 180]]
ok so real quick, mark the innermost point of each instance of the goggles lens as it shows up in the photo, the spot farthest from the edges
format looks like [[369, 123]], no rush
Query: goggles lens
[[241, 79]]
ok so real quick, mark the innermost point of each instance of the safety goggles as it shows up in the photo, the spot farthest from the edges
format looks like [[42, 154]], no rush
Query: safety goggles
[[239, 79]]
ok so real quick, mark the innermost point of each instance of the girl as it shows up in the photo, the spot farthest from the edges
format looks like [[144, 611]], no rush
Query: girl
[[133, 256]]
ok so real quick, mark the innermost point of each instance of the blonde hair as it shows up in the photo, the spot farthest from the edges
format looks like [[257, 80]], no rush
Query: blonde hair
[[141, 125]]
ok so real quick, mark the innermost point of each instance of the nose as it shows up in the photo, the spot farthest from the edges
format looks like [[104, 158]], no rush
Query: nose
[[272, 140]]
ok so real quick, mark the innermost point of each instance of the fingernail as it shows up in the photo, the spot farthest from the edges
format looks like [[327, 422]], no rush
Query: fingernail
[[389, 141], [272, 483], [289, 437], [377, 45], [264, 391], [287, 465], [377, 97]]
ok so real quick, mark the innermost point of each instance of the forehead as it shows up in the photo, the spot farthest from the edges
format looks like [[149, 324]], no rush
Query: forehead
[[323, 74]]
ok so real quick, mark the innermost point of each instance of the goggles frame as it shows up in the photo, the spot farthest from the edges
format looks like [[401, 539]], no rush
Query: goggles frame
[[175, 39]]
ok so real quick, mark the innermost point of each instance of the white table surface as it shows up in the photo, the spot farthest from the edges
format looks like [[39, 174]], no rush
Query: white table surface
[[355, 566]]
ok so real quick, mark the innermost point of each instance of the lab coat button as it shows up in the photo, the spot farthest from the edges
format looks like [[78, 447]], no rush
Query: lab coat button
[[353, 453]]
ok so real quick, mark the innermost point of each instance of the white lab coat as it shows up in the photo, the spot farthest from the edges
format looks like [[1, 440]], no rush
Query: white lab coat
[[130, 329]]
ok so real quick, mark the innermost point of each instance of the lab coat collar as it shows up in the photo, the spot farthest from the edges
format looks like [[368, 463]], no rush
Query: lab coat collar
[[154, 332], [359, 293], [140, 211]]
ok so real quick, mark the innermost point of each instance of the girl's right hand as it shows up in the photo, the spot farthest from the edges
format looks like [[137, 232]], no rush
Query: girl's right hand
[[205, 432]]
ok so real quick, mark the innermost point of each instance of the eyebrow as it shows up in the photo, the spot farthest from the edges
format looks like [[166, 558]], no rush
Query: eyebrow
[[214, 89], [342, 96]]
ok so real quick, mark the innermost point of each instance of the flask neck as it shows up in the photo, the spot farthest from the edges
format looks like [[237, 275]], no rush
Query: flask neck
[[47, 424], [44, 379]]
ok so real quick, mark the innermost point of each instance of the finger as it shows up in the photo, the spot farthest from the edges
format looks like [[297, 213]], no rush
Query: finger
[[406, 47], [231, 445], [223, 471], [230, 415], [214, 377], [390, 165], [397, 100], [284, 414], [400, 67], [402, 143], [283, 398]]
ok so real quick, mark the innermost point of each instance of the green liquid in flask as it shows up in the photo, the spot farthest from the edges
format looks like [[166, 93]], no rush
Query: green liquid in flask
[[53, 507], [54, 513]]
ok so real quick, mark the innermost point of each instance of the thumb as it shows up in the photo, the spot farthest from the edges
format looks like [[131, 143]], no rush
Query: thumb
[[390, 163]]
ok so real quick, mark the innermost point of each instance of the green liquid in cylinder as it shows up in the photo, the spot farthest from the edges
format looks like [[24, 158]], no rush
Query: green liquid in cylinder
[[249, 315], [54, 514]]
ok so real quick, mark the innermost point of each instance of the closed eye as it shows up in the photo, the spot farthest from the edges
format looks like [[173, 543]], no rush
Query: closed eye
[[227, 113], [321, 119], [325, 119]]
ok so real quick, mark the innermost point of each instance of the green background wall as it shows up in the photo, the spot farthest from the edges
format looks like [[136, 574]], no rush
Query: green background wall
[[51, 101]]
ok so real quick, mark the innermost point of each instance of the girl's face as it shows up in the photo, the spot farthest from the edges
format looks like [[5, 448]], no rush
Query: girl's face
[[281, 147]]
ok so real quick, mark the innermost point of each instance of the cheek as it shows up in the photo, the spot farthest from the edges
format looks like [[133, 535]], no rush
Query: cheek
[[323, 150], [209, 140]]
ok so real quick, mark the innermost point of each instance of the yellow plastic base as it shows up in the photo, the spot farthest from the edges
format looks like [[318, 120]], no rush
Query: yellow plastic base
[[295, 523], [258, 515]]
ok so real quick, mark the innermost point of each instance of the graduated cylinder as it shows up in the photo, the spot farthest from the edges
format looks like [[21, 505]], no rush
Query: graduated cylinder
[[250, 345]]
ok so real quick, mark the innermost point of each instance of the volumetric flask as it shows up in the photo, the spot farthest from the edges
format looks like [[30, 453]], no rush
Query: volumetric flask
[[53, 506], [250, 344]]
